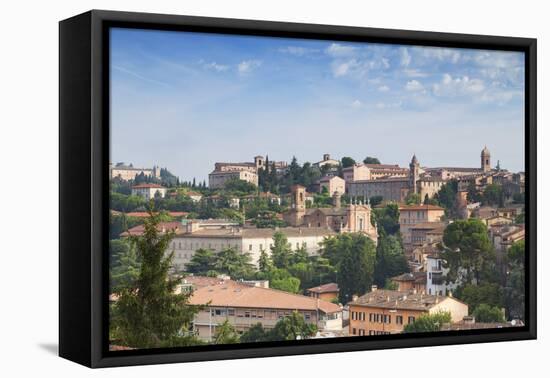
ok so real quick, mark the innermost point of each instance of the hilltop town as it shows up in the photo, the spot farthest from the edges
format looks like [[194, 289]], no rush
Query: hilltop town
[[339, 247]]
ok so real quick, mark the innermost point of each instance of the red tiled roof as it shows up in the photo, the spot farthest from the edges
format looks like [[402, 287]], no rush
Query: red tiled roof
[[233, 294], [326, 288], [163, 227]]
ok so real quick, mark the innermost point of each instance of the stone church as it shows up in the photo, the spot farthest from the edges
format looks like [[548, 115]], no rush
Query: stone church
[[355, 217]]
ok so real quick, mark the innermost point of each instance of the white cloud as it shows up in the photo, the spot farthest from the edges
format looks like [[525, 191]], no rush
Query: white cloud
[[456, 86], [413, 72], [414, 86], [405, 57], [383, 88], [442, 54], [356, 104], [247, 66], [340, 69], [339, 50], [216, 67], [296, 50]]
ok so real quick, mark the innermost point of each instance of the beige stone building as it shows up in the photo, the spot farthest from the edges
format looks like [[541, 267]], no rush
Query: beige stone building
[[332, 184], [383, 312], [355, 217], [356, 172], [149, 191], [413, 215], [129, 172], [217, 179], [244, 306], [327, 292], [327, 161], [247, 171], [396, 184]]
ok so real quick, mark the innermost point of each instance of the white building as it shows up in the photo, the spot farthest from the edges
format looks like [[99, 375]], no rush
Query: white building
[[245, 240], [148, 191]]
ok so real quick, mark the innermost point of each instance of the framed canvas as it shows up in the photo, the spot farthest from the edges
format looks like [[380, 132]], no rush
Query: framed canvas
[[235, 188]]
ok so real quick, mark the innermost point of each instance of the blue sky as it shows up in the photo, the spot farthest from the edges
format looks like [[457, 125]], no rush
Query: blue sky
[[185, 100]]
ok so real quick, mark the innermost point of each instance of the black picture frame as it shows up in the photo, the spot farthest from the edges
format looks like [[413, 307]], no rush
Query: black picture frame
[[83, 197]]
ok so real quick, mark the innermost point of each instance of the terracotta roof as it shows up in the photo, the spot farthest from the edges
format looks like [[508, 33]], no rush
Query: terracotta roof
[[163, 227], [387, 179], [199, 282], [434, 226], [419, 207], [326, 288], [407, 277], [384, 166], [401, 300], [146, 186], [233, 294]]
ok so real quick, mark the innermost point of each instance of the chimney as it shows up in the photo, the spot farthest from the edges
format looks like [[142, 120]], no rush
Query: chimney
[[373, 288]]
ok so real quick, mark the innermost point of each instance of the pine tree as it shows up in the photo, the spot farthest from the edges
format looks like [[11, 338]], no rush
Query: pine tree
[[151, 314]]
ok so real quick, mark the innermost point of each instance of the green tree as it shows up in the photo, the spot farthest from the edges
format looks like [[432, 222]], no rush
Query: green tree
[[371, 160], [235, 185], [203, 260], [281, 253], [514, 290], [226, 334], [413, 199], [264, 262], [387, 219], [390, 259], [347, 162], [125, 267], [292, 327], [354, 256], [376, 200], [254, 334], [447, 197], [288, 284], [428, 323], [468, 252], [490, 294], [233, 263], [151, 314], [488, 314], [493, 195]]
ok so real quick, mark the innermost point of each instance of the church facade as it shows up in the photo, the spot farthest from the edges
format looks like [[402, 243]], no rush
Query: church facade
[[354, 217]]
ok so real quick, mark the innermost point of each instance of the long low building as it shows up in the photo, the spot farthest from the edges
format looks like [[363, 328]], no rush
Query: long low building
[[217, 235], [246, 240], [244, 306]]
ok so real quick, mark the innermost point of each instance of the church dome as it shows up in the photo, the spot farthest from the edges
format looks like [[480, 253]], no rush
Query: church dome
[[485, 151]]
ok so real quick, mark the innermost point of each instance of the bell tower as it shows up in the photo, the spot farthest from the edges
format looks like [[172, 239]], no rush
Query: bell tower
[[485, 160], [295, 215], [414, 174]]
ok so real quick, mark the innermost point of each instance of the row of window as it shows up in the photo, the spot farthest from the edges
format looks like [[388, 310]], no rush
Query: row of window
[[372, 332], [379, 318], [255, 314], [198, 245]]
